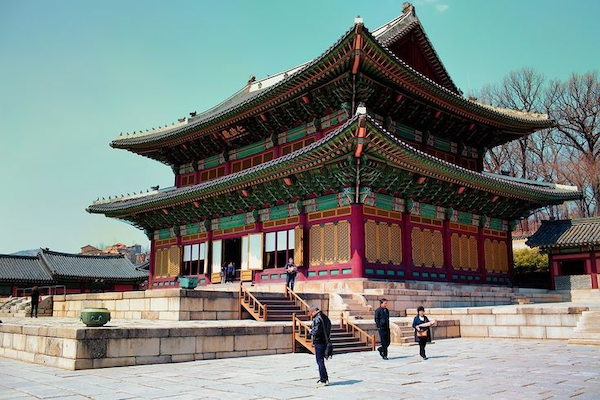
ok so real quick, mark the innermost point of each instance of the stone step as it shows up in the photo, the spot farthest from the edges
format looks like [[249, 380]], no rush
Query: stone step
[[593, 342]]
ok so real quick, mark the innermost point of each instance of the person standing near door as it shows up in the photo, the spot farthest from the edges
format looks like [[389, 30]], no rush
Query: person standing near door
[[382, 320], [290, 271], [229, 272]]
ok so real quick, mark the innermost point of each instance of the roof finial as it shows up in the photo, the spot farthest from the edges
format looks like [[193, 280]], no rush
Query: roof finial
[[408, 8], [358, 20]]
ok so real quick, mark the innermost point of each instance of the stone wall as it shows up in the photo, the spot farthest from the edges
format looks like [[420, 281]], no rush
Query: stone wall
[[162, 304], [524, 322], [573, 282]]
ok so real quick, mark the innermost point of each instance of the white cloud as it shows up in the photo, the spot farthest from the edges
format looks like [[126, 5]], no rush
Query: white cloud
[[441, 7]]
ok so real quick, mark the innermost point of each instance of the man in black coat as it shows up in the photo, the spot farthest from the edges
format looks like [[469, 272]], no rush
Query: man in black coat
[[382, 319], [321, 335]]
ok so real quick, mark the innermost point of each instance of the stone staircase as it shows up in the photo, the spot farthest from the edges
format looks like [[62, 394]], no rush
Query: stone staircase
[[353, 306], [346, 337], [21, 307], [587, 330]]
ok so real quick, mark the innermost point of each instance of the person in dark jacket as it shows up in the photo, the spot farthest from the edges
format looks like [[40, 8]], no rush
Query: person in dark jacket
[[290, 273], [382, 320], [422, 324], [321, 334], [35, 301]]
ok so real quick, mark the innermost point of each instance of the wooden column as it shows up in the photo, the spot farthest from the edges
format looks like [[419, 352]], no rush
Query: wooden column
[[357, 241], [481, 254], [594, 267], [407, 245], [447, 245], [152, 263], [511, 262], [303, 272], [554, 272]]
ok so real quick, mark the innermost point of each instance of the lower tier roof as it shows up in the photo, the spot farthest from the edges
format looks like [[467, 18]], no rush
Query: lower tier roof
[[567, 233], [387, 165]]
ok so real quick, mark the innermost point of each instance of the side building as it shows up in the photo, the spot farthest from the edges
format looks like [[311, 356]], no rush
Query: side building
[[365, 162], [77, 273]]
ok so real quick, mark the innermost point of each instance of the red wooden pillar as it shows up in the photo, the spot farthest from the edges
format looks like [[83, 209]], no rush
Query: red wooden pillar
[[511, 262], [152, 263], [303, 272], [551, 271], [447, 244], [407, 245], [208, 271], [357, 241], [555, 272], [594, 267], [481, 254]]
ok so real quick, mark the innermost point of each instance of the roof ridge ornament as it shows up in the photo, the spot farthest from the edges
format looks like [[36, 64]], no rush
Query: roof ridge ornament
[[408, 8], [358, 20]]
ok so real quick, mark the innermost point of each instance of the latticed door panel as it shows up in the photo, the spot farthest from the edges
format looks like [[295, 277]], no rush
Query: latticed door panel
[[464, 252], [370, 241], [330, 243], [316, 245], [174, 261], [438, 249], [395, 244], [502, 257], [473, 259], [428, 255], [455, 251], [384, 242], [299, 246], [343, 241], [417, 246], [159, 263], [490, 264]]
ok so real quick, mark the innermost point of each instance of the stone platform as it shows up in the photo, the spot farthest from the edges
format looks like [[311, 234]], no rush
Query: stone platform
[[67, 343]]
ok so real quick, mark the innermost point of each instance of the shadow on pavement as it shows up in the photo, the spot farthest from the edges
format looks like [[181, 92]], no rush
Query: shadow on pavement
[[345, 383]]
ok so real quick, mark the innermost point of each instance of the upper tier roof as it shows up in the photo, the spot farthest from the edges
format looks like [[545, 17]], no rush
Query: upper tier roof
[[258, 92], [567, 233]]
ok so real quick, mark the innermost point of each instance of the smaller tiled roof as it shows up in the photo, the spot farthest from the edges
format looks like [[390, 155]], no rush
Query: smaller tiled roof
[[15, 268], [106, 267], [567, 233]]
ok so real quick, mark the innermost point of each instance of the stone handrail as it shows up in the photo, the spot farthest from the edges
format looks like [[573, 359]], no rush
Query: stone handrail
[[349, 326], [251, 303]]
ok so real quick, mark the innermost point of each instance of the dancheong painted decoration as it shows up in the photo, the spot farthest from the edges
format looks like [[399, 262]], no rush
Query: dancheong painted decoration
[[365, 162]]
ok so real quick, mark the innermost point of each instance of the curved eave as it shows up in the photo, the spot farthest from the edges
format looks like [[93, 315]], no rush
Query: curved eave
[[410, 79], [392, 150]]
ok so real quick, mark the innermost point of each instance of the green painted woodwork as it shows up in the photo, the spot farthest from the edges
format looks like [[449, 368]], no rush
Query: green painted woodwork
[[193, 228], [234, 221], [462, 217], [279, 212], [250, 150], [211, 162], [294, 134], [382, 201], [166, 233], [344, 198], [495, 223]]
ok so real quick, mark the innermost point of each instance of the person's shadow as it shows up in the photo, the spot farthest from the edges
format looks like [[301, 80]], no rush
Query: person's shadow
[[345, 383], [398, 357], [438, 357]]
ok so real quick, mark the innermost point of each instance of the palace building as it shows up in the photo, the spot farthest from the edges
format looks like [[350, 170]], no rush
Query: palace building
[[365, 162]]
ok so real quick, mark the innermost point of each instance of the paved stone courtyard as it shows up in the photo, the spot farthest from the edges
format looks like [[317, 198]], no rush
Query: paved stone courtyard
[[456, 369]]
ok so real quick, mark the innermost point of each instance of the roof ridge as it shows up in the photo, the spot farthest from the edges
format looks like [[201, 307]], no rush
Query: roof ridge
[[57, 253], [17, 256]]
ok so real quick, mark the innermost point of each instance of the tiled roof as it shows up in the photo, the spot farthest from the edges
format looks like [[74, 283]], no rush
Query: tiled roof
[[107, 267], [414, 159], [567, 233], [23, 269], [244, 98]]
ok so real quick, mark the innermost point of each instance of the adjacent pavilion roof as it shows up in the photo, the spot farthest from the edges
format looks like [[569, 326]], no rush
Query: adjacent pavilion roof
[[567, 233], [379, 61], [51, 267], [380, 147]]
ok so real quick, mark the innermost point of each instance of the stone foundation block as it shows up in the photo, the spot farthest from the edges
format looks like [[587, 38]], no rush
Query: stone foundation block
[[504, 331], [177, 345], [474, 331], [214, 344], [254, 342], [120, 348], [532, 332]]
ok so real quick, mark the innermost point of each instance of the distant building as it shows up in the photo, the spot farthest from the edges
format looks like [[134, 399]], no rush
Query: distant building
[[78, 273], [573, 248], [133, 253]]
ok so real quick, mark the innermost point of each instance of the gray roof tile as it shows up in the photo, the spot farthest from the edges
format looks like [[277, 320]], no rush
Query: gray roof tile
[[567, 233], [22, 269]]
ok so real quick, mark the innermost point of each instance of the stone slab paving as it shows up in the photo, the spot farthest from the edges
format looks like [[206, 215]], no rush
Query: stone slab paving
[[456, 369]]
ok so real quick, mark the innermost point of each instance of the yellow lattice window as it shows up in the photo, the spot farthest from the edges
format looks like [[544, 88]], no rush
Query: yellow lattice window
[[395, 244], [384, 242], [473, 259], [417, 246], [496, 256], [370, 243], [316, 244], [330, 243], [174, 261], [502, 257], [299, 246], [329, 240], [464, 252], [428, 248], [343, 241], [159, 263]]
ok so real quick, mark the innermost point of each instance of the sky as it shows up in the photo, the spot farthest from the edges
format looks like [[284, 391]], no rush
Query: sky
[[75, 74]]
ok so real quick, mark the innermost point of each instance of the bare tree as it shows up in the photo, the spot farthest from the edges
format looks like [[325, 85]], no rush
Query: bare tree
[[575, 105]]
